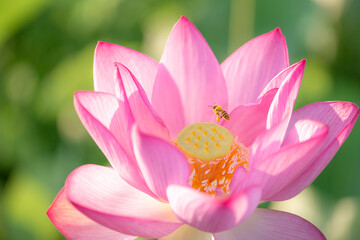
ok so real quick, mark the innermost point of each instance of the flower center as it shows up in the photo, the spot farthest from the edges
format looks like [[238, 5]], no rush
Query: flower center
[[213, 155]]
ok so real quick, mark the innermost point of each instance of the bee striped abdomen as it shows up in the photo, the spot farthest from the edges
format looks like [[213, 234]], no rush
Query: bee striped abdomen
[[225, 115]]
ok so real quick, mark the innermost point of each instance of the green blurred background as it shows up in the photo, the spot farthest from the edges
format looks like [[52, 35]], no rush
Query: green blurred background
[[46, 54]]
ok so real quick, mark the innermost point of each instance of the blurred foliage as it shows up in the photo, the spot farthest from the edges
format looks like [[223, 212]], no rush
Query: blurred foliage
[[46, 53]]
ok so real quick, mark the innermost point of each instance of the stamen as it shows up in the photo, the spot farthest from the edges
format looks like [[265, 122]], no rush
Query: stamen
[[208, 176]]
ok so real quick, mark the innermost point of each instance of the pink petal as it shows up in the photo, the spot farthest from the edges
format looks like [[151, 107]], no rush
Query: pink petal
[[340, 117], [143, 67], [161, 163], [337, 115], [111, 112], [279, 112], [186, 232], [209, 214], [277, 170], [166, 101], [248, 70], [144, 115], [196, 72], [100, 194], [105, 118], [76, 226], [284, 101], [272, 225], [248, 121]]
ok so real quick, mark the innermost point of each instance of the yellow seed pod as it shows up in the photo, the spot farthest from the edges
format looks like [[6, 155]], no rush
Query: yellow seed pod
[[206, 141]]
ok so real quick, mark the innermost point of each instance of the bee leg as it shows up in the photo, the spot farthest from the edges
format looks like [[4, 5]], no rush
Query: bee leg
[[217, 119]]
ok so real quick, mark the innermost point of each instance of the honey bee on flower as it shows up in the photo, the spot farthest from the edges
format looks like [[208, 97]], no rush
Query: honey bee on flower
[[220, 113]]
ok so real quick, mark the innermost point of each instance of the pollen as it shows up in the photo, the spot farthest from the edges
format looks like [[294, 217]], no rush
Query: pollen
[[213, 158]]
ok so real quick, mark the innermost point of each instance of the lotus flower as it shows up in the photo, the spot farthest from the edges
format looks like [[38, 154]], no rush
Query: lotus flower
[[178, 173]]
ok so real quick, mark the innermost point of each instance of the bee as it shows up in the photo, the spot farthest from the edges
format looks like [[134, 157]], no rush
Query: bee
[[220, 113]]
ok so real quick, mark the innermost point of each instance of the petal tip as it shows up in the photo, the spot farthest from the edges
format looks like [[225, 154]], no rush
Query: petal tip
[[184, 22], [277, 30], [81, 95], [49, 212], [277, 33], [357, 107], [183, 18], [78, 94], [100, 45], [300, 64]]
